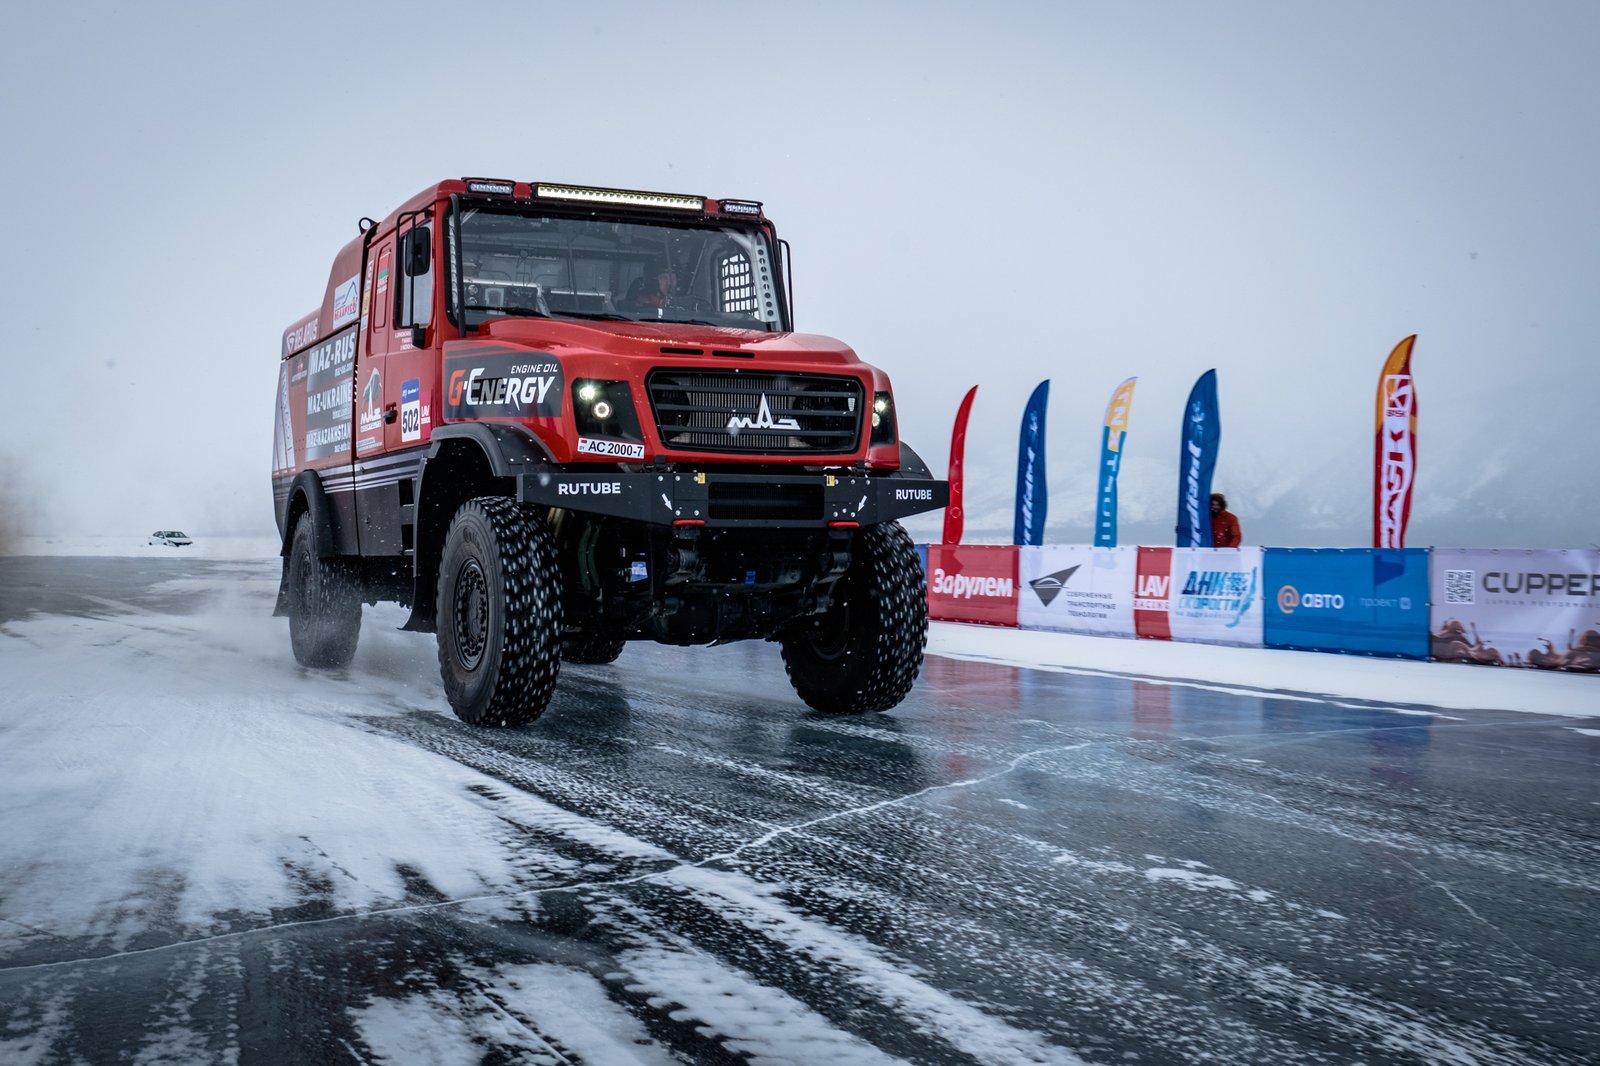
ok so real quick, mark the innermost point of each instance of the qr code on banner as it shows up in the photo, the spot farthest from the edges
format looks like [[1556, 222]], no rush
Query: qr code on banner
[[1458, 585]]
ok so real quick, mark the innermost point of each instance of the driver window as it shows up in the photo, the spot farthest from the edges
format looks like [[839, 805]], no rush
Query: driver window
[[416, 286]]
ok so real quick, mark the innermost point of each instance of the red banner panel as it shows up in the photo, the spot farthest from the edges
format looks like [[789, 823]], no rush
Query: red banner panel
[[973, 583], [1152, 595]]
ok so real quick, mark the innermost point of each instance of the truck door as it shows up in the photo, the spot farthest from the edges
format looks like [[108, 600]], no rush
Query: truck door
[[376, 490], [413, 377]]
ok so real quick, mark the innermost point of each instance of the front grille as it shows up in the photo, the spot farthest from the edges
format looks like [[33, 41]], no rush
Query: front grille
[[756, 411]]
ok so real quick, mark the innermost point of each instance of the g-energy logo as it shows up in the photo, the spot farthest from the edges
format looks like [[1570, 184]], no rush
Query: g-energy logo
[[472, 388], [508, 385]]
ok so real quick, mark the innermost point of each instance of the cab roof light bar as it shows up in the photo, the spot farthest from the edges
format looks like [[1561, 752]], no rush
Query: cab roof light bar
[[492, 186], [585, 194]]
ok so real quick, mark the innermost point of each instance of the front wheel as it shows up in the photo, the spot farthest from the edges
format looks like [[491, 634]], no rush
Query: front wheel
[[499, 626], [864, 653]]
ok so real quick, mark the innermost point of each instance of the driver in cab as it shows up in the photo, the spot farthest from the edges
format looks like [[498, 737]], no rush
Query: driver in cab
[[653, 292]]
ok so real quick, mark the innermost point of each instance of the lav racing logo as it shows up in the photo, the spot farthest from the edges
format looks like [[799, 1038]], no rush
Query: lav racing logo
[[762, 420], [504, 385]]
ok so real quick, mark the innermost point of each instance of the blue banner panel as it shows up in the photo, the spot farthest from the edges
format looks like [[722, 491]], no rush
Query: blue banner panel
[[922, 557], [1372, 601]]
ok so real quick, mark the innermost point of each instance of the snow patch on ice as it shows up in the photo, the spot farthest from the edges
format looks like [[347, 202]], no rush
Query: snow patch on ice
[[1199, 882], [162, 771], [576, 1019], [931, 1010], [748, 1018]]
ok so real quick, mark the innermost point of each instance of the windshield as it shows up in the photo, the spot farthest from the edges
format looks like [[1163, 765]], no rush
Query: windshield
[[529, 262]]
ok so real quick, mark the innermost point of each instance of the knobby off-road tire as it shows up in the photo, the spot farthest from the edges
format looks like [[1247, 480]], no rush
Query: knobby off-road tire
[[592, 649], [499, 624], [864, 653], [324, 604]]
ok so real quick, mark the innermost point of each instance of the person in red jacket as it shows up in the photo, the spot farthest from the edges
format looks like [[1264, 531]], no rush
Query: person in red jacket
[[1224, 523]]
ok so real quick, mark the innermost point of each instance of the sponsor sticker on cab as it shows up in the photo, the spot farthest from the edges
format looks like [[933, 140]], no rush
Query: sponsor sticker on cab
[[502, 384]]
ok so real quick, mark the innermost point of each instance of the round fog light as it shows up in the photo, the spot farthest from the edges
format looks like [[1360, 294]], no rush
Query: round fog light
[[602, 410]]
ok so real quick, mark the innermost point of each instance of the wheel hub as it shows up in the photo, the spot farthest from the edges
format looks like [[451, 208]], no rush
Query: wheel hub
[[471, 614]]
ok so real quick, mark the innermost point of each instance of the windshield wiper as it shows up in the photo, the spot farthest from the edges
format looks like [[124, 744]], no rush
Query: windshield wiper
[[605, 316], [518, 312]]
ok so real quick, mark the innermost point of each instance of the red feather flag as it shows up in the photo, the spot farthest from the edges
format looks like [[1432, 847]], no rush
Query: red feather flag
[[953, 516]]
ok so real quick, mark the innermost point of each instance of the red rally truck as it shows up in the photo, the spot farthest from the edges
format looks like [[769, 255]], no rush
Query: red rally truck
[[550, 419]]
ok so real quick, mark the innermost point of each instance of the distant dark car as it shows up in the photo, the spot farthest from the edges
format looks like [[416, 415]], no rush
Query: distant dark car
[[172, 537]]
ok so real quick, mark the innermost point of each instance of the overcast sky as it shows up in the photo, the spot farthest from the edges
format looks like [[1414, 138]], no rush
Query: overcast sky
[[976, 194]]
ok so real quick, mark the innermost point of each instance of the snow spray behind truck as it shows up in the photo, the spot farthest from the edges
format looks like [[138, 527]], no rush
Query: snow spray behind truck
[[550, 419]]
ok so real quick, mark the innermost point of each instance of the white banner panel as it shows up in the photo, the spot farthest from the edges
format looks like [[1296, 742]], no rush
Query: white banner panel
[[1513, 607], [1077, 589], [1216, 595]]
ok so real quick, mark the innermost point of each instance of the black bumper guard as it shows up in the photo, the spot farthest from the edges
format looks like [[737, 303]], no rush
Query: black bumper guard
[[728, 500]]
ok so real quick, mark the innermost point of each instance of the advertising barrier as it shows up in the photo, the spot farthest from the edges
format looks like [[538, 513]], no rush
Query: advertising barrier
[[1516, 608], [1211, 595], [973, 583], [1369, 601], [1077, 589]]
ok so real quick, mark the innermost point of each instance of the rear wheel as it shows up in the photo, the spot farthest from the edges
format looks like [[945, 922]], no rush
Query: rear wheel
[[324, 604], [499, 621], [864, 653], [592, 649]]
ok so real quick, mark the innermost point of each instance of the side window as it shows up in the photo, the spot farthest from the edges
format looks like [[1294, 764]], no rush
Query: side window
[[380, 287], [414, 301], [737, 283]]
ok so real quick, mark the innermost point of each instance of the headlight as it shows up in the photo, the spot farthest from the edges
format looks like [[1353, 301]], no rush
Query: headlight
[[883, 428], [605, 409]]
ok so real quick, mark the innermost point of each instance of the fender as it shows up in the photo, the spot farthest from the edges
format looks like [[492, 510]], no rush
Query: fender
[[307, 485], [510, 449], [912, 465]]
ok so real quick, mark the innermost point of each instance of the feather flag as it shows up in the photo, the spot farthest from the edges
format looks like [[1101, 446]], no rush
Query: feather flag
[[1033, 495], [1118, 412], [954, 519], [1202, 433], [1395, 466]]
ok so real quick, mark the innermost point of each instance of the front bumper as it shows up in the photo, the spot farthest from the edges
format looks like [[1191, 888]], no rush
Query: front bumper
[[732, 500]]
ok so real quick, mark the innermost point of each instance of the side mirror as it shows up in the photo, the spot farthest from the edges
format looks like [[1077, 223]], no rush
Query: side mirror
[[419, 244], [419, 336]]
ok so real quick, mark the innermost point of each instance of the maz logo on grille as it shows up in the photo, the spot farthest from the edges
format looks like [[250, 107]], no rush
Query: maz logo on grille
[[762, 420]]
